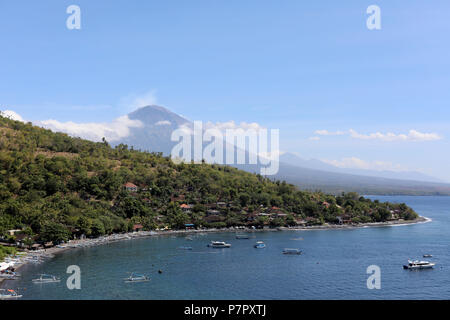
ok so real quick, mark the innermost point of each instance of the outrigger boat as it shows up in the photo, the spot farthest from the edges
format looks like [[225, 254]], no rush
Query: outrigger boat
[[260, 245], [9, 294], [136, 277], [219, 244], [416, 264], [46, 278], [292, 251]]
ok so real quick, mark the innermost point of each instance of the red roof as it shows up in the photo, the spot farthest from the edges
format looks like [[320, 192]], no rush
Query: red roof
[[137, 226], [130, 185]]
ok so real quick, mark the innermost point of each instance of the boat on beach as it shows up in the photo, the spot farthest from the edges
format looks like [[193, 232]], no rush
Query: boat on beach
[[46, 278], [292, 251], [219, 244], [259, 245], [7, 294], [416, 264], [137, 277]]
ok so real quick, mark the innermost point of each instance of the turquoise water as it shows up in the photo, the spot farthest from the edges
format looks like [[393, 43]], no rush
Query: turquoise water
[[333, 265]]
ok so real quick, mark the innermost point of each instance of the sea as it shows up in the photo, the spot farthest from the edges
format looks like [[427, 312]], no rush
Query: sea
[[335, 264]]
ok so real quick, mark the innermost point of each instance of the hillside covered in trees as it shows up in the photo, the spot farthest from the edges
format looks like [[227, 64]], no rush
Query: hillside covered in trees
[[54, 187]]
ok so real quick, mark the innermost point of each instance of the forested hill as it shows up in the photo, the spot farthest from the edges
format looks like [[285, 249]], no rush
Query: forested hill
[[54, 187]]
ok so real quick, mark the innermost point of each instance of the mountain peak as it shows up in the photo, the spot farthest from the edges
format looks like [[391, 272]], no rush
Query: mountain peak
[[152, 114]]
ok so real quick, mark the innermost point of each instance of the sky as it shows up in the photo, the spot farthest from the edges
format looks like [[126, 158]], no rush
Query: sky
[[337, 91]]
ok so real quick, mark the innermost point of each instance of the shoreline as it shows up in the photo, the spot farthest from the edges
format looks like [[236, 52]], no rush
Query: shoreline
[[44, 254]]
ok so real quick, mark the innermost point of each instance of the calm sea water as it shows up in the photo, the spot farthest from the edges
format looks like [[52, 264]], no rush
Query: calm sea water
[[333, 265]]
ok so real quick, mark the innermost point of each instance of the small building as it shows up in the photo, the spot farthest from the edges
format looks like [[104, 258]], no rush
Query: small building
[[138, 227], [186, 207], [48, 244], [212, 212], [37, 246], [189, 226], [221, 204], [13, 232], [130, 187]]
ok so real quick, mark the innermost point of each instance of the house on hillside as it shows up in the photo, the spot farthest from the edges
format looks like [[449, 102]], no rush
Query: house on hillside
[[186, 208], [138, 227], [130, 187]]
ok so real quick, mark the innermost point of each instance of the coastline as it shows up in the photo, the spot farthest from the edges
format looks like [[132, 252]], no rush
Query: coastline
[[84, 243]]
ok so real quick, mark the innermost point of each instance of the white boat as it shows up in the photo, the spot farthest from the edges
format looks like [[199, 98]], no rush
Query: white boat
[[219, 244], [242, 236], [6, 294], [136, 277], [292, 251], [9, 276], [260, 245], [46, 278], [416, 264]]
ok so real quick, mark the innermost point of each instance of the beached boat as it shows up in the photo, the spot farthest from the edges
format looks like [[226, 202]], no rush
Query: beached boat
[[260, 245], [6, 294], [9, 275], [292, 251], [219, 244], [46, 278], [416, 264], [136, 277]]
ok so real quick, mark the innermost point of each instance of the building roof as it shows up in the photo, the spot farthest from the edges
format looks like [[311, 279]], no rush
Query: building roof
[[130, 185]]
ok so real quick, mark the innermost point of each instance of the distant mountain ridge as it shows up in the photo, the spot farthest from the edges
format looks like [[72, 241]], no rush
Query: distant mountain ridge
[[315, 164], [159, 123]]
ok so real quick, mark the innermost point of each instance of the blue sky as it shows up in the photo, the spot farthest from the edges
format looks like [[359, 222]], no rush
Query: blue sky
[[298, 66]]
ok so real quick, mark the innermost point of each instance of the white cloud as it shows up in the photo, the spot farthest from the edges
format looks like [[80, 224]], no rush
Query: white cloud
[[315, 138], [136, 101], [328, 133], [223, 126], [112, 131], [11, 115], [412, 135], [356, 163], [163, 123]]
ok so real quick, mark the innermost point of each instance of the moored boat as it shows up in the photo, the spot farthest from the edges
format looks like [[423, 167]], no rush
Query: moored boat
[[46, 278], [416, 264], [260, 245], [292, 251], [136, 277], [242, 236], [219, 244]]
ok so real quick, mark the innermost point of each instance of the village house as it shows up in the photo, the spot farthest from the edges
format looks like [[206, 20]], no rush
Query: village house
[[130, 187], [186, 208], [212, 212], [138, 227]]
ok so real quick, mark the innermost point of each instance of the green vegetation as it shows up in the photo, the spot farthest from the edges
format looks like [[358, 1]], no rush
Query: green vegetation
[[5, 251], [54, 187]]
